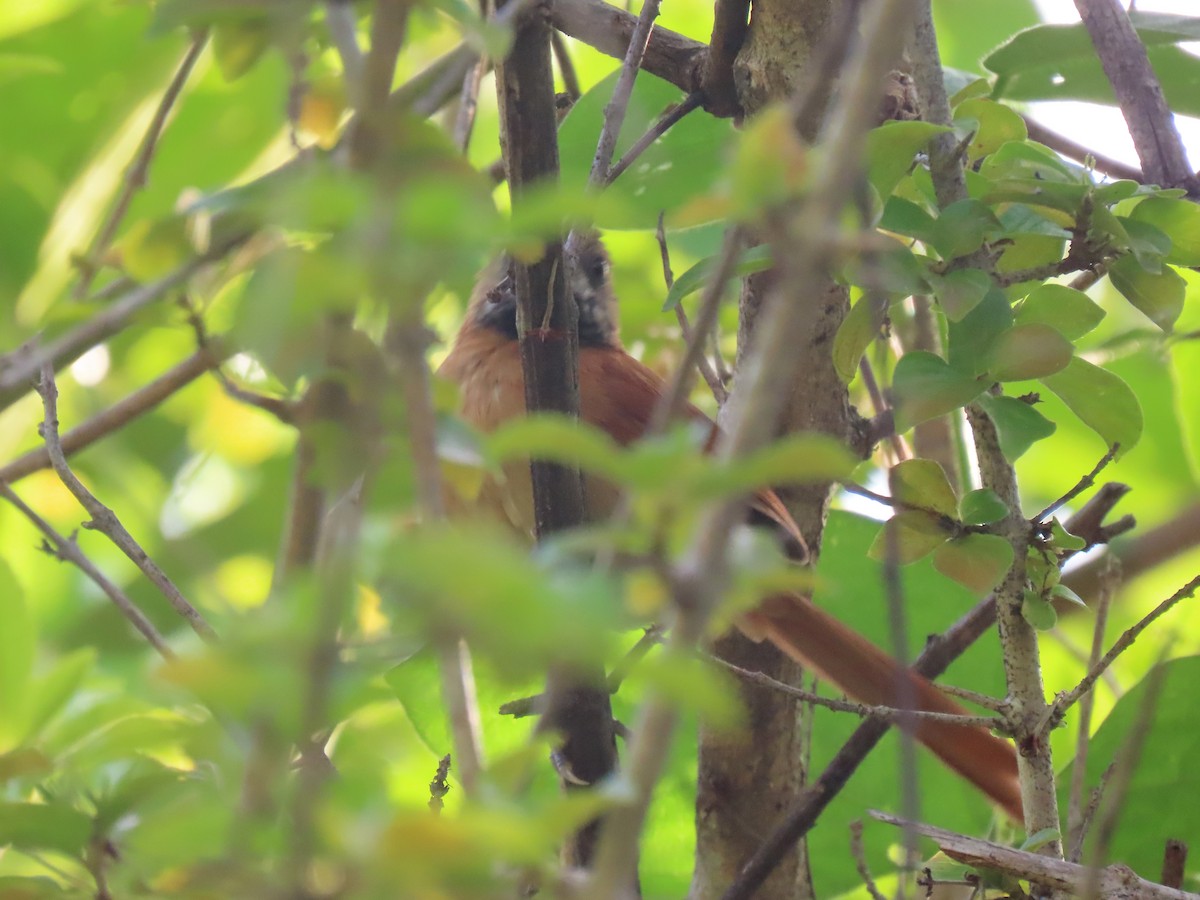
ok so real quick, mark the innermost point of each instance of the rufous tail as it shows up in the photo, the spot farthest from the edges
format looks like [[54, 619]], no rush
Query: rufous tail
[[817, 640]]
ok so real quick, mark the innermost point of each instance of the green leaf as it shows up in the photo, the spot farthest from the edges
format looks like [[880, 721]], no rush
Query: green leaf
[[916, 535], [749, 261], [960, 291], [1040, 839], [1180, 221], [964, 227], [1063, 539], [1061, 592], [1165, 771], [972, 339], [861, 326], [803, 458], [49, 694], [902, 216], [1072, 313], [682, 165], [44, 826], [1101, 400], [1159, 296], [921, 482], [1038, 612], [998, 125], [18, 641], [926, 387], [976, 561], [1020, 425], [891, 148], [1028, 351], [238, 45], [981, 507]]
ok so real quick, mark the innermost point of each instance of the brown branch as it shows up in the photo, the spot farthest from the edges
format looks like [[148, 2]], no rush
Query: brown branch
[[1139, 94], [731, 21], [608, 28], [578, 703], [1114, 881], [105, 520], [1174, 865], [67, 549], [618, 105], [1064, 146], [1082, 485], [139, 168], [889, 714], [116, 416], [566, 68], [860, 860]]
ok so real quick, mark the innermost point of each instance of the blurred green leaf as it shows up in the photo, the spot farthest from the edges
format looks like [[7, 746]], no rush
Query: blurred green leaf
[[913, 533], [1164, 771], [749, 261], [926, 387], [1159, 296], [1102, 400], [1028, 351], [238, 45], [861, 326], [981, 507], [976, 561], [50, 693], [1038, 612], [682, 165], [891, 148], [1072, 313], [963, 228], [960, 291], [38, 826], [974, 338], [1019, 424], [1180, 220], [18, 642], [996, 125], [921, 482]]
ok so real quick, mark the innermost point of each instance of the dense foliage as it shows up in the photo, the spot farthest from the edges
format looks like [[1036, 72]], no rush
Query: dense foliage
[[124, 773]]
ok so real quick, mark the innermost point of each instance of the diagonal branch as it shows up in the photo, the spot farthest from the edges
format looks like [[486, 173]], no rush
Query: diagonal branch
[[105, 520]]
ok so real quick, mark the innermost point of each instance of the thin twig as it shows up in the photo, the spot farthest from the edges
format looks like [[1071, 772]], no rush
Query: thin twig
[[1089, 812], [1084, 483], [19, 369], [139, 168], [890, 714], [105, 520], [670, 404], [468, 104], [860, 859], [615, 109], [719, 392], [664, 124], [1066, 700], [566, 68], [140, 402], [1083, 741], [68, 550]]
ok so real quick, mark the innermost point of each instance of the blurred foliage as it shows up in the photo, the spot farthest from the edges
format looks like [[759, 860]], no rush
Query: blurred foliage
[[178, 778]]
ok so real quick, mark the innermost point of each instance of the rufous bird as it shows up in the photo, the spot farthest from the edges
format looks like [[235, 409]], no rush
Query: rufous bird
[[618, 394]]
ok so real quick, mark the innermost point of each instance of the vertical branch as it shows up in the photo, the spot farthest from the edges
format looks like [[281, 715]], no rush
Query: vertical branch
[[730, 23], [1140, 96], [1022, 661], [547, 323]]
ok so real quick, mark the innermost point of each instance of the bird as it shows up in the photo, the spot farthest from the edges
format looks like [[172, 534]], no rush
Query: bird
[[618, 394]]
